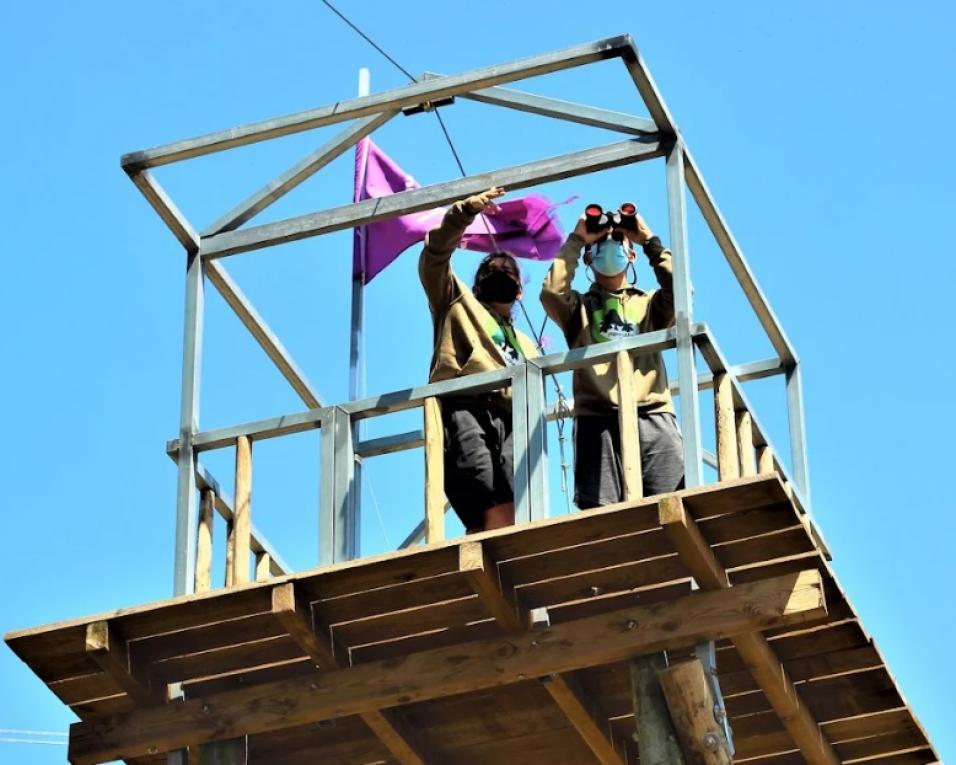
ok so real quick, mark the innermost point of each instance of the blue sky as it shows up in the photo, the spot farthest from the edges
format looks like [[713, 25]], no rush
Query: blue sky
[[820, 128]]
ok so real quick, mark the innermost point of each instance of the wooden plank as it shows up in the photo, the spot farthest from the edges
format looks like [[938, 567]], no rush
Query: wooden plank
[[765, 460], [410, 621], [752, 647], [207, 507], [110, 652], [443, 672], [691, 704], [242, 520], [745, 443], [627, 423], [399, 738], [727, 461], [434, 472], [238, 658]]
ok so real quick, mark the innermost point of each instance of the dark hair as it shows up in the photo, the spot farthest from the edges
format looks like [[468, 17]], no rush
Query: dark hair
[[484, 268]]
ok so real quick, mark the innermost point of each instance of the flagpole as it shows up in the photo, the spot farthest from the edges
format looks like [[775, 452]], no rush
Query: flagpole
[[357, 365]]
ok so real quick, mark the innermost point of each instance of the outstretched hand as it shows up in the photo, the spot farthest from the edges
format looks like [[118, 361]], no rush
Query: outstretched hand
[[478, 203]]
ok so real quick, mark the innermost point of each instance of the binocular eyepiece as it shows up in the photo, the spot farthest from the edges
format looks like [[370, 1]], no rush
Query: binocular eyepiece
[[596, 219]]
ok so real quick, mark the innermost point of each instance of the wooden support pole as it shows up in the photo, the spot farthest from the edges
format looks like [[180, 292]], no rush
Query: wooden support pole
[[434, 472], [745, 442], [656, 739], [765, 460], [242, 522], [111, 654], [207, 509], [753, 648], [233, 751], [230, 552], [691, 704], [627, 420], [728, 464], [263, 566]]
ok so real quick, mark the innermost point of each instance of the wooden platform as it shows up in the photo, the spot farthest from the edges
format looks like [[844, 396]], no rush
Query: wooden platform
[[429, 655]]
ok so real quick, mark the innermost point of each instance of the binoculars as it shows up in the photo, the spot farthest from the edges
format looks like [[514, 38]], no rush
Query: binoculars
[[596, 219]]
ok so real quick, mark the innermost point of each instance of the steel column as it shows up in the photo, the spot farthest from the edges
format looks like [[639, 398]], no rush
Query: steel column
[[537, 443], [519, 435], [684, 310], [798, 435], [187, 508]]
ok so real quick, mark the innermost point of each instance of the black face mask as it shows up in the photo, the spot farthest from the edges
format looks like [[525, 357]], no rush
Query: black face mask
[[497, 287]]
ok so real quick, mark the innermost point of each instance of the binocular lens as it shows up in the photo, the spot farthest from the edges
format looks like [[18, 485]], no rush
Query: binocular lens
[[628, 208], [593, 211]]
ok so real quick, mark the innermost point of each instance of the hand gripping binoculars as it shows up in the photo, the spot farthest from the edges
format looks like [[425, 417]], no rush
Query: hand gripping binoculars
[[596, 219]]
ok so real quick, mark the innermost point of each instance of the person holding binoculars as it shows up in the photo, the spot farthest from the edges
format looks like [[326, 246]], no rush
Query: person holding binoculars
[[474, 332], [615, 308]]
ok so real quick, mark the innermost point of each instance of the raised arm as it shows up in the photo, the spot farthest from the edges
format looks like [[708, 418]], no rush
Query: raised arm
[[434, 265], [661, 311], [560, 301]]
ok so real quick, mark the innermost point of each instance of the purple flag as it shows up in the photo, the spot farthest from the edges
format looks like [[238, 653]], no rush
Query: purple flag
[[525, 227]]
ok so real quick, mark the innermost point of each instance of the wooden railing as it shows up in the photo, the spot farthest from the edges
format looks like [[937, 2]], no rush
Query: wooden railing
[[743, 447]]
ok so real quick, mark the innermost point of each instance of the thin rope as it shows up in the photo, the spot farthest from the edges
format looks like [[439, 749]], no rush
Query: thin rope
[[378, 512], [563, 407]]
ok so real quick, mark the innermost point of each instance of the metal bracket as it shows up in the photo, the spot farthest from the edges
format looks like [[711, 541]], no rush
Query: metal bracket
[[428, 106], [707, 654]]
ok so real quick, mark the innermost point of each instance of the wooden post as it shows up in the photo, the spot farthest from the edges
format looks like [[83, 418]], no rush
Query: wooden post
[[230, 553], [745, 441], [233, 751], [263, 566], [434, 472], [242, 521], [691, 704], [632, 480], [728, 464], [656, 739], [203, 578], [765, 460]]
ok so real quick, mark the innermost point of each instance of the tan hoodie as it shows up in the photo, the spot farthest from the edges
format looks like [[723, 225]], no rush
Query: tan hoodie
[[583, 320], [468, 337]]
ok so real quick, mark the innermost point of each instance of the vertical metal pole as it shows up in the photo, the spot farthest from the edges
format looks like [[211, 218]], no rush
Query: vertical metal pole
[[683, 308], [798, 434], [519, 435], [336, 531], [357, 363], [187, 510], [187, 506], [537, 443]]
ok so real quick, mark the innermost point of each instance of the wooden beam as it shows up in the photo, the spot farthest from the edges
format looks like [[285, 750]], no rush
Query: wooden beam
[[296, 618], [437, 673], [691, 704], [500, 600], [765, 460], [656, 743], [207, 508], [434, 472], [745, 443], [728, 464], [753, 648], [242, 521], [111, 654], [633, 483]]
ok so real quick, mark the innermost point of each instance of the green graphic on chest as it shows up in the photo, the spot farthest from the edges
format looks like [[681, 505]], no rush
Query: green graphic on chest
[[615, 319]]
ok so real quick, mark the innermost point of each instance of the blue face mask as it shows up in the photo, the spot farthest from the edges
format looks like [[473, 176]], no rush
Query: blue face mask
[[611, 258]]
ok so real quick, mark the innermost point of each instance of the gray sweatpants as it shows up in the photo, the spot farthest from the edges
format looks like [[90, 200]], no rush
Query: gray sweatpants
[[597, 457]]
